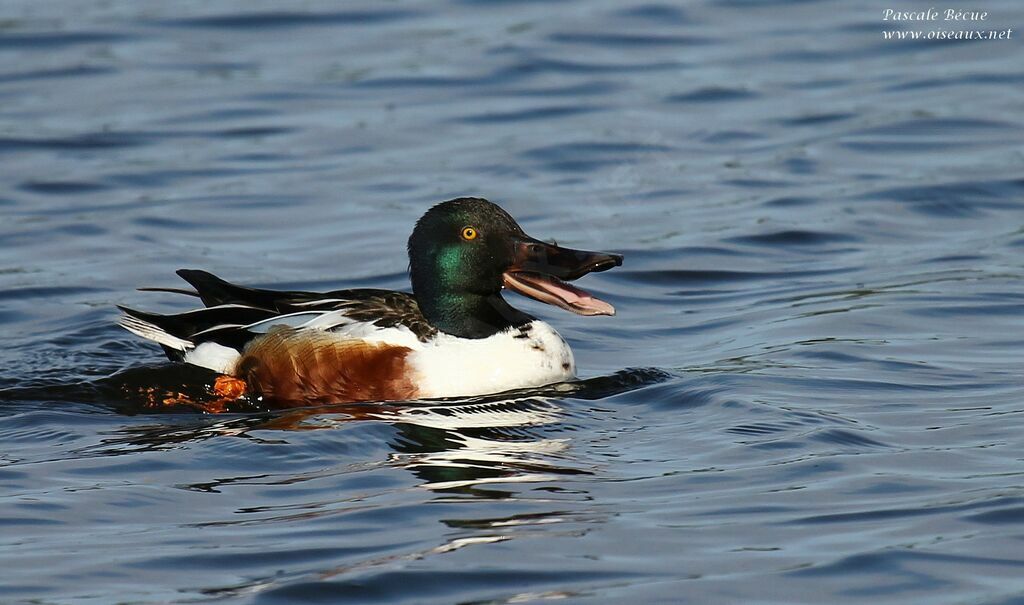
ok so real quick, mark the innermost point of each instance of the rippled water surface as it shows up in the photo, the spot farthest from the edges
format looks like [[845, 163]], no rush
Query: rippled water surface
[[812, 391]]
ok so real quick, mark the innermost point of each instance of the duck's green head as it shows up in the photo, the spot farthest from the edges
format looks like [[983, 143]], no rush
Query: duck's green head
[[464, 251]]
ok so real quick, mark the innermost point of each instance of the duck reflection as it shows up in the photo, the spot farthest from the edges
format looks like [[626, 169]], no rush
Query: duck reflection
[[460, 447]]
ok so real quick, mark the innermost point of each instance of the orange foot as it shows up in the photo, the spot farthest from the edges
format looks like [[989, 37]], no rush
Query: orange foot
[[229, 387]]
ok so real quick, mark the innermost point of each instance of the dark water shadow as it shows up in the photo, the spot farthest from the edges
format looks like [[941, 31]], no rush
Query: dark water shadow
[[273, 20], [143, 390], [453, 445]]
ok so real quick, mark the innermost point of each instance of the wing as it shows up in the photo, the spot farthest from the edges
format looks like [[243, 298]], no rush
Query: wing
[[236, 315], [381, 308]]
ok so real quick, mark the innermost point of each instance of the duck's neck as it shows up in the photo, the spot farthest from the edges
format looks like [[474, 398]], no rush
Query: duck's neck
[[469, 315]]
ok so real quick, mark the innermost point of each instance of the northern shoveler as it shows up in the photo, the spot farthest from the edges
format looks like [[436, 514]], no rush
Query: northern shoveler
[[455, 335]]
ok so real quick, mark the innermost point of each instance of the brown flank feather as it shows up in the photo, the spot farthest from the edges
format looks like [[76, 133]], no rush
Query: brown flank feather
[[291, 368]]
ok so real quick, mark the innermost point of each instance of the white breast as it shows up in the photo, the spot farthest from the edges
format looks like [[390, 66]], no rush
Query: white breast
[[531, 355]]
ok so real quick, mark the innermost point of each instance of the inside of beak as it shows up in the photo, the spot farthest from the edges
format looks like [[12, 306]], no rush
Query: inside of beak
[[553, 291]]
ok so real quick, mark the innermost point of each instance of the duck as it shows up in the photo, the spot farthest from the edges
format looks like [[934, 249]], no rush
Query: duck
[[454, 335]]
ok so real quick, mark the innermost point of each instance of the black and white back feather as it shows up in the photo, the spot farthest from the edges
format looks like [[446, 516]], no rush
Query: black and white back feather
[[234, 315]]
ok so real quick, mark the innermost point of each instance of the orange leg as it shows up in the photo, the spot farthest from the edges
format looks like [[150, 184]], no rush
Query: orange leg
[[225, 389]]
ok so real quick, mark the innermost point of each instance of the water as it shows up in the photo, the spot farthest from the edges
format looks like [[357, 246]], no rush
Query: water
[[812, 391]]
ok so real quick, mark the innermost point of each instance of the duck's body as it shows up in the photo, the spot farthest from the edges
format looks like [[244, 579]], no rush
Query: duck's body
[[455, 336], [304, 348]]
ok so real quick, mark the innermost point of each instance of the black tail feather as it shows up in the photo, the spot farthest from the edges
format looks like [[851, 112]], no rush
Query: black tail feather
[[173, 354], [215, 291]]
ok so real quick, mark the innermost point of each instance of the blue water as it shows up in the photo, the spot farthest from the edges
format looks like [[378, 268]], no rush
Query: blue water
[[813, 390]]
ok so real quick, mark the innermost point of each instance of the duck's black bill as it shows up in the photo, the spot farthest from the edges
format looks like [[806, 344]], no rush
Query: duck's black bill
[[540, 271]]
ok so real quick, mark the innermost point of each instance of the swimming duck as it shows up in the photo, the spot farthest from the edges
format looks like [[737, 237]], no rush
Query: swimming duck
[[454, 335]]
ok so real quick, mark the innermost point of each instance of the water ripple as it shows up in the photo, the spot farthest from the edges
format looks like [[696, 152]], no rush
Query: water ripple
[[285, 19], [49, 41], [712, 95]]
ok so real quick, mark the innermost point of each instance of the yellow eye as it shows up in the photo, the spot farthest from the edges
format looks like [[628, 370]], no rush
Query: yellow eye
[[469, 233]]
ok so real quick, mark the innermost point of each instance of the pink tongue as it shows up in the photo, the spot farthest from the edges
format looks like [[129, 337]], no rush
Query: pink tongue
[[579, 298], [556, 292]]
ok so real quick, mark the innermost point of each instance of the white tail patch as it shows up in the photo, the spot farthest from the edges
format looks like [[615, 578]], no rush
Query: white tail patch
[[214, 357], [149, 331]]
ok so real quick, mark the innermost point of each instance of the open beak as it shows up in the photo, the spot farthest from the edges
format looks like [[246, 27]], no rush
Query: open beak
[[541, 270]]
